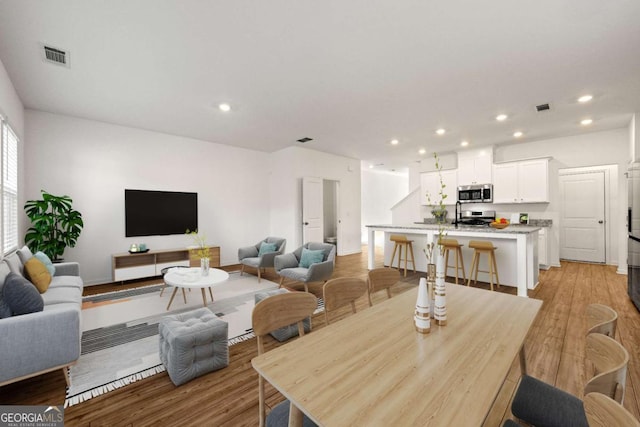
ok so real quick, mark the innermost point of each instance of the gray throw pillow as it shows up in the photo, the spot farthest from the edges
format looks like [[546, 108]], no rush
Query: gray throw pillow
[[21, 296]]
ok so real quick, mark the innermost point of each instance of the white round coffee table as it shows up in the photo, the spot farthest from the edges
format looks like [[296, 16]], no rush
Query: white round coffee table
[[187, 278]]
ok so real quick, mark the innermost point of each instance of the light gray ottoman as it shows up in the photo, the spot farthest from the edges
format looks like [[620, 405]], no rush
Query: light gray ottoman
[[192, 344], [286, 332]]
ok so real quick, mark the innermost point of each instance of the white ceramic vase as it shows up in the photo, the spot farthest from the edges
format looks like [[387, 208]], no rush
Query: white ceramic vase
[[440, 309], [422, 318]]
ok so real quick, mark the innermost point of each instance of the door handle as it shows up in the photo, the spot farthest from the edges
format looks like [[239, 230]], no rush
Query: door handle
[[305, 223], [601, 222]]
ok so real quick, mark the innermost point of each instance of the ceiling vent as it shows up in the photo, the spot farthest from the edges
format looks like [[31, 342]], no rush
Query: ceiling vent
[[542, 107], [55, 56], [305, 139]]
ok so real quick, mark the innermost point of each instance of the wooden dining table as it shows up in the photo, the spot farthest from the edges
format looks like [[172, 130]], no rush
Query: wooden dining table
[[374, 369]]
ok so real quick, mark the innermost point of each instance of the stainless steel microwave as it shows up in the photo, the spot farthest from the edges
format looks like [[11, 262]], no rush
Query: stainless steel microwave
[[480, 193]]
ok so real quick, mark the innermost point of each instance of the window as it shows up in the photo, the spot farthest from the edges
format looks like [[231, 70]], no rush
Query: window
[[9, 184]]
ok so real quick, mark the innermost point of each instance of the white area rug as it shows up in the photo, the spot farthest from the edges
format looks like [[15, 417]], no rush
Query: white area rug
[[120, 331]]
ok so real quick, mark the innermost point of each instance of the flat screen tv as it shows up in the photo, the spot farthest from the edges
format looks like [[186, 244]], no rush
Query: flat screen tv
[[157, 213]]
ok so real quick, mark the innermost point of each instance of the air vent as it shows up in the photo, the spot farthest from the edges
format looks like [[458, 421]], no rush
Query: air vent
[[305, 139], [56, 56], [542, 107]]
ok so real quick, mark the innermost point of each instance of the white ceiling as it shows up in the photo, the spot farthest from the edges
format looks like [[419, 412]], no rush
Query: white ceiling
[[351, 74]]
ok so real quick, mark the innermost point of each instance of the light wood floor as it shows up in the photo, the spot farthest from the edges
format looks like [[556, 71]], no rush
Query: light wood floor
[[228, 397]]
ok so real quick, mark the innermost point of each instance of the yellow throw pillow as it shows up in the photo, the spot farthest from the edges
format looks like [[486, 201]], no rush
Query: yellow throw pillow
[[37, 273]]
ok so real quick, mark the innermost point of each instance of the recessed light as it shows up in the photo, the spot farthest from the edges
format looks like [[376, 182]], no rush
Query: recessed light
[[517, 134], [394, 142], [422, 151], [370, 166], [586, 122], [441, 131], [464, 143], [585, 98], [224, 107], [501, 117]]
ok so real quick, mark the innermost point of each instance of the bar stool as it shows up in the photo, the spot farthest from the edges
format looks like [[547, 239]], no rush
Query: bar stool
[[402, 242], [480, 247], [453, 245]]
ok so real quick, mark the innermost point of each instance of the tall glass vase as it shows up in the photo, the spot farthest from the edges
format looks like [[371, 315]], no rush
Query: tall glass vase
[[431, 284], [204, 266], [440, 309]]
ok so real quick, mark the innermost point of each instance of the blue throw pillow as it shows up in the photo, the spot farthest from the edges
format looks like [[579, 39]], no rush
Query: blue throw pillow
[[46, 261], [266, 248], [21, 296], [309, 257]]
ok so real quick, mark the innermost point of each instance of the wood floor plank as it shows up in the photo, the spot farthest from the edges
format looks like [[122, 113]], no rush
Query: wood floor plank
[[229, 397]]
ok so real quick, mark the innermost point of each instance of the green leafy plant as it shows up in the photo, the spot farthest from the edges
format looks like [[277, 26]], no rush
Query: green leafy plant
[[55, 225], [201, 250]]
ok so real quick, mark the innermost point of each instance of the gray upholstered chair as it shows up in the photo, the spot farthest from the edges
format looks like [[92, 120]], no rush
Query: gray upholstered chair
[[295, 266], [544, 405], [252, 257]]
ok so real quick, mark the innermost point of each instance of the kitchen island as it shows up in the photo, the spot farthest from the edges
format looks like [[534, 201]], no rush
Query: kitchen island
[[517, 254]]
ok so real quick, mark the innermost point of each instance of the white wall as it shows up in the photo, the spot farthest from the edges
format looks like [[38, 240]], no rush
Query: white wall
[[12, 110], [94, 162], [288, 166], [381, 190], [10, 105]]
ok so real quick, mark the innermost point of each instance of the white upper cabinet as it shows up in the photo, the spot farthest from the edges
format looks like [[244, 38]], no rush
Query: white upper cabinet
[[475, 166], [430, 183], [521, 182]]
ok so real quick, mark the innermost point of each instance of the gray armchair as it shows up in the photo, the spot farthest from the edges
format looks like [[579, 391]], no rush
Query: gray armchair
[[288, 265], [250, 256]]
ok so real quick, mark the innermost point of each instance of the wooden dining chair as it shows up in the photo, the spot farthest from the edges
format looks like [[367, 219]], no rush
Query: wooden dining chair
[[382, 278], [340, 292], [603, 411], [609, 360], [273, 313], [601, 319], [542, 404]]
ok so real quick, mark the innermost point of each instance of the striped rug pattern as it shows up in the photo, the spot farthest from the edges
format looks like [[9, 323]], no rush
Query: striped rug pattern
[[118, 354]]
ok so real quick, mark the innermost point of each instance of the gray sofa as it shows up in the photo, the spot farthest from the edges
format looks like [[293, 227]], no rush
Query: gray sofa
[[47, 340]]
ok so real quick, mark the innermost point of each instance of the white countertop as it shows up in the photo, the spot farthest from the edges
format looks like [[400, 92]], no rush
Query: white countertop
[[511, 229]]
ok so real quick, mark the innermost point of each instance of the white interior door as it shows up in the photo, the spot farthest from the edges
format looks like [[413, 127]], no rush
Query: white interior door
[[582, 217], [312, 210]]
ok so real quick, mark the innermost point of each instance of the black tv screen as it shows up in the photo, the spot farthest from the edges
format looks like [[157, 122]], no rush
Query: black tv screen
[[157, 213]]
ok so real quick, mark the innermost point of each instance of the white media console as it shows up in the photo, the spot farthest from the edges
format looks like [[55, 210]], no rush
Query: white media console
[[129, 266]]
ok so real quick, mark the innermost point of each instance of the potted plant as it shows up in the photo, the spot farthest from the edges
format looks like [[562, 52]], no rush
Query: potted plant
[[200, 251], [54, 225]]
